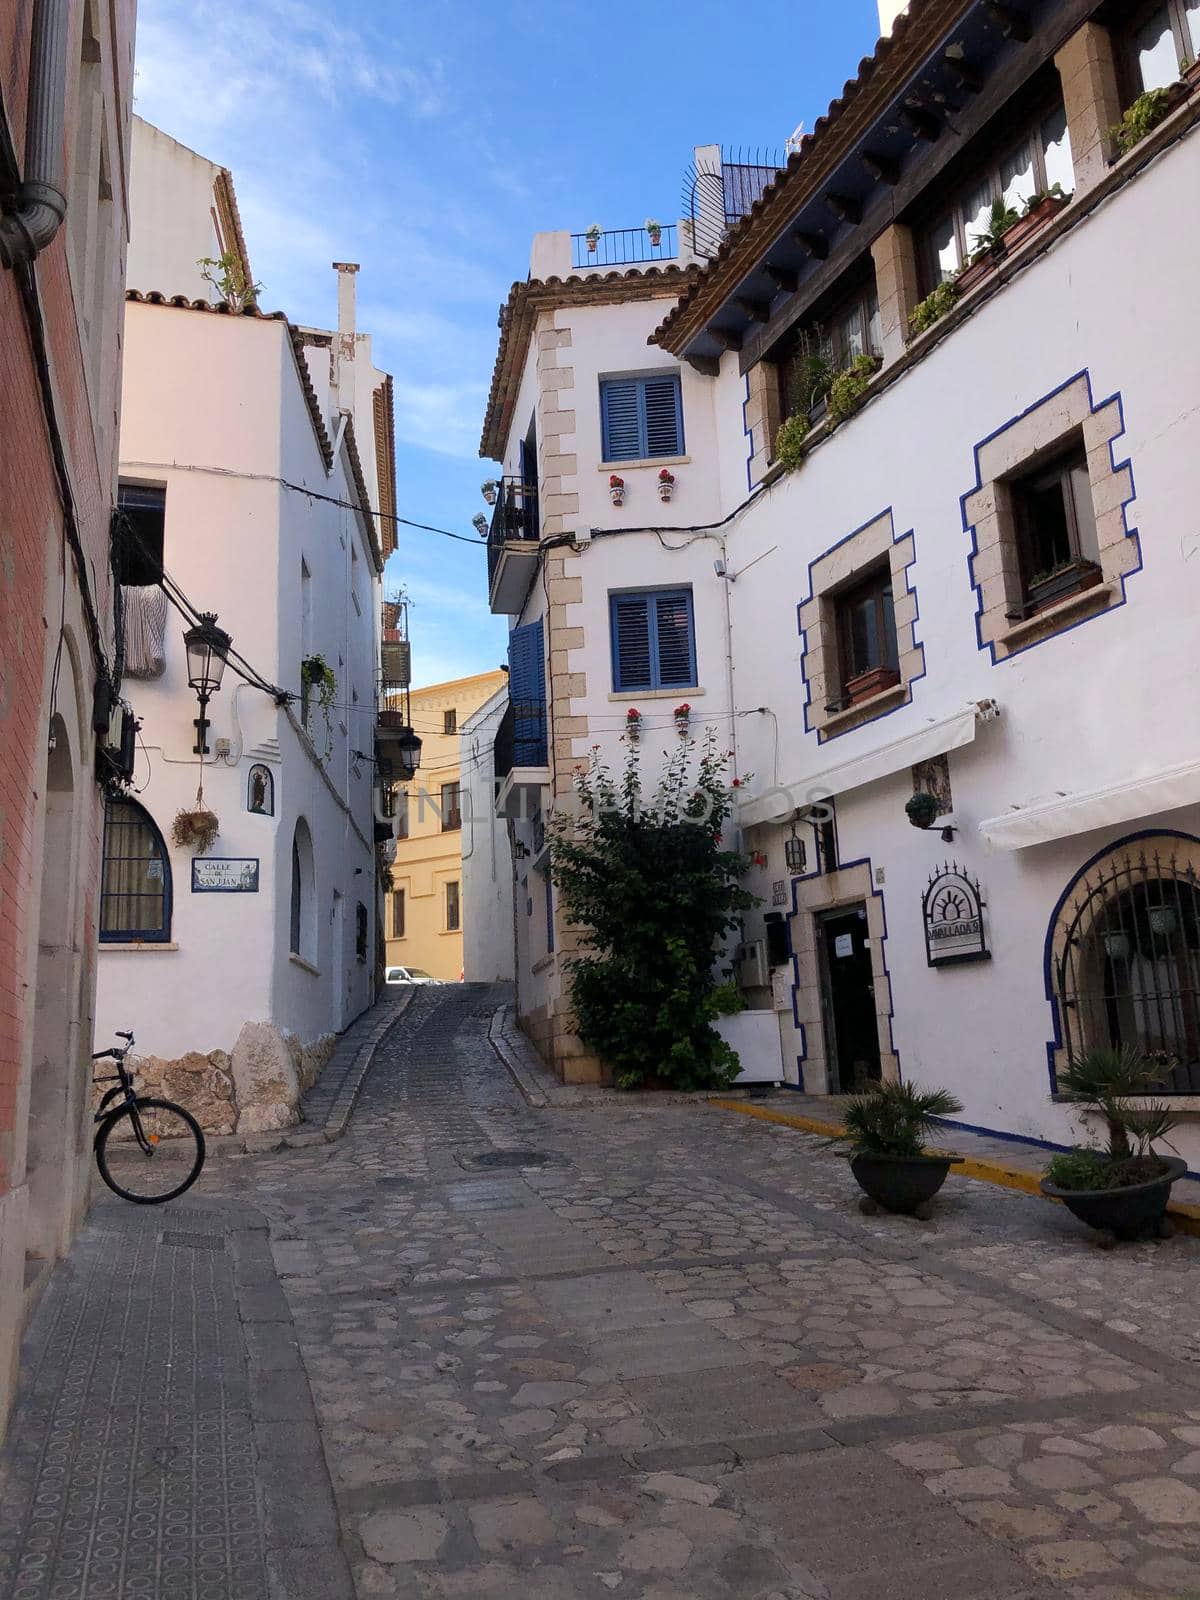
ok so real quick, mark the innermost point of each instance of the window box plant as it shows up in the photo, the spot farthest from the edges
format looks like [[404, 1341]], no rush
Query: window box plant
[[666, 483], [848, 387], [933, 308], [884, 1135], [1072, 577], [1191, 74], [616, 489], [864, 685], [654, 229], [1122, 1190], [1038, 210], [1146, 112]]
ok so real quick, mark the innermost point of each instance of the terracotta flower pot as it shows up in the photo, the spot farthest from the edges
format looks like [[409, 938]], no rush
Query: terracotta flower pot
[[866, 684]]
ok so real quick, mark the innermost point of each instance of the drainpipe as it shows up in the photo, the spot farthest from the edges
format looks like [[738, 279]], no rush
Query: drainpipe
[[41, 201]]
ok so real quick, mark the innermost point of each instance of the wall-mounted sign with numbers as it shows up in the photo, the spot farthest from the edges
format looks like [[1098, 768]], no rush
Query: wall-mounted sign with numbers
[[953, 909], [224, 875], [779, 892]]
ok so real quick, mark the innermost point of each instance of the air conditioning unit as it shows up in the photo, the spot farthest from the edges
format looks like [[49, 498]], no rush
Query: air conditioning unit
[[752, 969]]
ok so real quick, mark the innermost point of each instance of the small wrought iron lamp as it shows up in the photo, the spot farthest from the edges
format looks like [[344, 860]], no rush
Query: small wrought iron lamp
[[207, 648]]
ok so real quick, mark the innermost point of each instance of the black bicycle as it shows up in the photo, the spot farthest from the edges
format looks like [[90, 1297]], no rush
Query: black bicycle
[[156, 1147]]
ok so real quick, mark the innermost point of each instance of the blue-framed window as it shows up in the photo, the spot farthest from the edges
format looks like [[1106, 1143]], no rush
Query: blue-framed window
[[641, 417], [653, 640], [135, 881]]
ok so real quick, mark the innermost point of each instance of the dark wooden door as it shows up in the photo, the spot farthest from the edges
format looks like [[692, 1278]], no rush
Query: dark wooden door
[[850, 1025]]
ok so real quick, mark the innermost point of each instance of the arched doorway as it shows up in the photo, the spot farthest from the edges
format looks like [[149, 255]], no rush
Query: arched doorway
[[56, 1012]]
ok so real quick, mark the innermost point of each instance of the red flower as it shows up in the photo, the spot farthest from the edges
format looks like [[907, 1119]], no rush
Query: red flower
[[616, 482], [633, 715], [666, 476], [683, 710], [737, 783]]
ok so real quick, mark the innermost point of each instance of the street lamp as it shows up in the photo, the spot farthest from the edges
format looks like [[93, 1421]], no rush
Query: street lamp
[[408, 753], [207, 647]]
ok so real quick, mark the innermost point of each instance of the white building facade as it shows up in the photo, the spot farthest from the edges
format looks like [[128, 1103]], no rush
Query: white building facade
[[972, 587], [487, 876], [254, 458]]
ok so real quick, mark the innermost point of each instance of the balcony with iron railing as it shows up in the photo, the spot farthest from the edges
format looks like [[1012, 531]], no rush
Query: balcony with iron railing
[[623, 247], [521, 755], [512, 543]]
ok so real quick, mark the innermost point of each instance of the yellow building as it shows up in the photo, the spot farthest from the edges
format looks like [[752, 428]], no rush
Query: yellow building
[[423, 918]]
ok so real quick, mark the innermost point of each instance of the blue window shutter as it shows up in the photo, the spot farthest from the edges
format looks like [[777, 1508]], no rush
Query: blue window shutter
[[664, 416], [653, 640], [633, 661], [674, 640], [527, 694], [620, 411]]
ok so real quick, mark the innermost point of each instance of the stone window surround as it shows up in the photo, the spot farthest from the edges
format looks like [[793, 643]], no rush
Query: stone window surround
[[988, 517], [828, 575], [831, 891]]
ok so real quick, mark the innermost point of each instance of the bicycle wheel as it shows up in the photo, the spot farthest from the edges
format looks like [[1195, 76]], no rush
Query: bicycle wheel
[[156, 1151]]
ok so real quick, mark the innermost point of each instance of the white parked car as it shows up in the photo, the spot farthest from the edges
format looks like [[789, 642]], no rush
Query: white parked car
[[408, 975]]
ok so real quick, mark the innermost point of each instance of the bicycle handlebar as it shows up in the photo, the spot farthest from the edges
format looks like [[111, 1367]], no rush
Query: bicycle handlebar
[[121, 1034]]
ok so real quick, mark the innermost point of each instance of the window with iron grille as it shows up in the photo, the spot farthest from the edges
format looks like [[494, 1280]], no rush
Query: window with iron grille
[[1126, 960], [653, 640], [641, 417], [135, 884], [450, 721]]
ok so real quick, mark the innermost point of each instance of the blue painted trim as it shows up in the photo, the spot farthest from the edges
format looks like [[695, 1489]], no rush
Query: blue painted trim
[[825, 738], [1054, 1044], [1017, 1138], [747, 433], [970, 528]]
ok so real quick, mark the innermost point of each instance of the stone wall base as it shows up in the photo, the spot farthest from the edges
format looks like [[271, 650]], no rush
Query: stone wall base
[[256, 1089], [551, 1035]]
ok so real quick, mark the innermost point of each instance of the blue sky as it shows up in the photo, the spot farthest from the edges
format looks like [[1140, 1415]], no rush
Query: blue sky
[[429, 140]]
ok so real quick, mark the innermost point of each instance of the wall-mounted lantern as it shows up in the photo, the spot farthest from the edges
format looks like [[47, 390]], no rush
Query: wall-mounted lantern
[[207, 648], [794, 853]]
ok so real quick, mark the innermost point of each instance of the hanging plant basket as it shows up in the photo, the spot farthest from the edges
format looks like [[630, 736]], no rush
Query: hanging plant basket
[[666, 484], [616, 489], [195, 828]]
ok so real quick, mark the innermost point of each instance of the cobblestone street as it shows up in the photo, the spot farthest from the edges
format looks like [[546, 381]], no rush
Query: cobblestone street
[[646, 1352]]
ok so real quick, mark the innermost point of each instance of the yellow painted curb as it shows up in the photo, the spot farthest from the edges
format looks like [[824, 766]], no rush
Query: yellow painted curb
[[1185, 1216]]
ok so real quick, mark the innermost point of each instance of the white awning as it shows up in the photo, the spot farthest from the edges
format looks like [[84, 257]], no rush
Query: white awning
[[934, 739], [1097, 808]]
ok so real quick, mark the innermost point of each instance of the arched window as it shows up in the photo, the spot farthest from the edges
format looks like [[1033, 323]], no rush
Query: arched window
[[304, 896], [1125, 957], [260, 791], [135, 884]]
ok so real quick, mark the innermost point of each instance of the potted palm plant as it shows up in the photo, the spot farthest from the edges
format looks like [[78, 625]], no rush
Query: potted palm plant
[[1122, 1189], [884, 1135], [1039, 208]]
